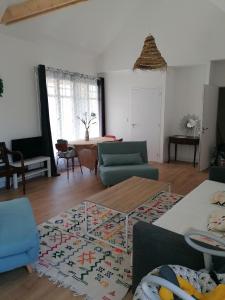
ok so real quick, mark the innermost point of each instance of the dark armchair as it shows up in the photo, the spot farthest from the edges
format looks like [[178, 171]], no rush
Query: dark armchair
[[217, 174], [154, 246], [7, 169]]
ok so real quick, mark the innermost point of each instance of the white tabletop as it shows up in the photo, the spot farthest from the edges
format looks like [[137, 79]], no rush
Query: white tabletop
[[193, 210]]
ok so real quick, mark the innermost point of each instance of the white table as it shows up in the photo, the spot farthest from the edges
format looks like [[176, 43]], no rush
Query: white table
[[32, 172], [193, 210]]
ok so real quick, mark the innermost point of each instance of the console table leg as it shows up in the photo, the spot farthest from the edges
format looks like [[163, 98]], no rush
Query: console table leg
[[175, 152], [168, 152], [195, 151]]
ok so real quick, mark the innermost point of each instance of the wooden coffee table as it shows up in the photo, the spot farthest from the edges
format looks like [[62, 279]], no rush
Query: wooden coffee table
[[123, 198]]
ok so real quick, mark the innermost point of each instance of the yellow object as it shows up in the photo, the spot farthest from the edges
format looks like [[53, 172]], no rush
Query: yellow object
[[166, 294], [217, 294]]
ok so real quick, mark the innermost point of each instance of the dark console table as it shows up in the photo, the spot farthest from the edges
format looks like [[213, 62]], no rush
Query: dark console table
[[183, 140]]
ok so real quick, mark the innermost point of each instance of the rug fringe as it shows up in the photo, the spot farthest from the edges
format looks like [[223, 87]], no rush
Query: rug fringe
[[55, 279]]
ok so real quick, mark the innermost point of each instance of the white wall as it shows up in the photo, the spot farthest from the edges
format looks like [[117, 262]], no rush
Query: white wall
[[187, 32], [184, 95], [118, 86], [217, 73], [182, 91], [18, 106]]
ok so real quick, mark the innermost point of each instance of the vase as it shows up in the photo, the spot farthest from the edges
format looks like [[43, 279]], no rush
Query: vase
[[86, 135]]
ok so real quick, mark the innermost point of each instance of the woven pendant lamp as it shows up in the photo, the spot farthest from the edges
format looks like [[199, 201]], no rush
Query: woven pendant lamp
[[150, 58]]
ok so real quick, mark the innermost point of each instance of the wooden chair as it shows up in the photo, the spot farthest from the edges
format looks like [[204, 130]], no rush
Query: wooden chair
[[7, 169], [87, 155]]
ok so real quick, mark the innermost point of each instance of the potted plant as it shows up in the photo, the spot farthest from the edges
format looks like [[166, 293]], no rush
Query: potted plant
[[191, 125], [88, 120]]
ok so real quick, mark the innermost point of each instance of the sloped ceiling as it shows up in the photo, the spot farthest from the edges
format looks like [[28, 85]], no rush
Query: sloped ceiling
[[186, 31], [219, 3], [88, 27]]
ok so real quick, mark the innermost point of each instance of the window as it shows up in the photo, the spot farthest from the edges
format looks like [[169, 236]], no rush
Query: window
[[69, 96]]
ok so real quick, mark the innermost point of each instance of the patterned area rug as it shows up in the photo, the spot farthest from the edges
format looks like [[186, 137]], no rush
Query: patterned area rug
[[85, 265]]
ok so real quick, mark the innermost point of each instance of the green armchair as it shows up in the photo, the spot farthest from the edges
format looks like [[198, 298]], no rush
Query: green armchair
[[217, 173], [120, 161]]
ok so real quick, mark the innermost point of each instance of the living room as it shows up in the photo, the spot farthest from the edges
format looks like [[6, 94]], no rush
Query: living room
[[176, 108]]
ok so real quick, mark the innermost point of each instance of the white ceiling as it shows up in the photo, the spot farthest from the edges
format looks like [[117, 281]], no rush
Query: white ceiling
[[89, 27], [219, 3]]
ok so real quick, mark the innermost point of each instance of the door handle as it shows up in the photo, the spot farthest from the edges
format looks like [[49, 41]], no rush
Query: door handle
[[133, 125]]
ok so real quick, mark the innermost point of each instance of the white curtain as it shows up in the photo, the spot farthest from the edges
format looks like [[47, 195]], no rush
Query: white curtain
[[71, 95]]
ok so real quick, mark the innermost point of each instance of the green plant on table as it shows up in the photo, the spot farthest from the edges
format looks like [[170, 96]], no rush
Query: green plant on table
[[88, 120]]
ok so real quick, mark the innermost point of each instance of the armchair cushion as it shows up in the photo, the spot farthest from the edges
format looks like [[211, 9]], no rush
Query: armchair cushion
[[122, 159]]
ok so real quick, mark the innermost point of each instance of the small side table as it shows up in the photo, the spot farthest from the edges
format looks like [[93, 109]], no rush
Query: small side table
[[183, 140]]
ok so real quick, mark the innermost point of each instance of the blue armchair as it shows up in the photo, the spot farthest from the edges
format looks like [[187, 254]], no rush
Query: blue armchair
[[119, 161], [19, 241]]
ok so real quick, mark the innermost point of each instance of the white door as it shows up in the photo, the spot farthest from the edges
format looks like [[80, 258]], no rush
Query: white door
[[145, 119], [209, 119]]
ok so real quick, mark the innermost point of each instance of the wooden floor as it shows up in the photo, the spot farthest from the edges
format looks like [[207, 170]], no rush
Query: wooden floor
[[50, 196]]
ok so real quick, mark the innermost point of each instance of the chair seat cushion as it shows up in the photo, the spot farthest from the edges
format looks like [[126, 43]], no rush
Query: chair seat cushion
[[18, 231], [67, 154], [114, 174]]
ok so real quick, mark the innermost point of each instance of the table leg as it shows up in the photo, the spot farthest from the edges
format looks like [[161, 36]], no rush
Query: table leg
[[85, 218], [96, 167], [72, 163], [67, 168], [168, 152], [195, 151], [126, 231], [175, 152]]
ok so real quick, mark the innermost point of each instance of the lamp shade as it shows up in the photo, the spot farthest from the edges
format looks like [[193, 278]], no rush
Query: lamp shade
[[150, 58]]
